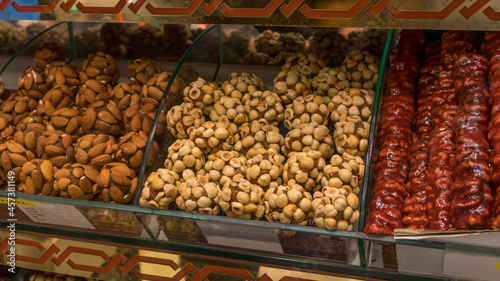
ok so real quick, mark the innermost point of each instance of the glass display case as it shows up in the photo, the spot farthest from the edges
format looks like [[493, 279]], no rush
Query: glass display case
[[107, 241]]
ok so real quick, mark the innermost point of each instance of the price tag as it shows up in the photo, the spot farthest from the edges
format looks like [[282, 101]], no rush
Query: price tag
[[56, 214], [475, 267], [241, 236]]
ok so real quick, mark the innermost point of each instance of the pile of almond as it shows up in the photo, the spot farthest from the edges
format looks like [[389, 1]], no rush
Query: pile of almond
[[76, 133]]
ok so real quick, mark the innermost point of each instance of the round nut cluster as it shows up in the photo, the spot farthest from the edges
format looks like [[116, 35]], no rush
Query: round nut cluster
[[63, 75], [224, 165], [32, 83], [290, 85], [355, 102], [57, 147], [125, 94], [335, 209], [257, 58], [140, 70], [306, 169], [199, 195], [329, 82], [202, 94], [47, 53], [160, 189], [362, 70], [232, 108], [182, 119], [268, 42], [66, 120], [100, 67], [92, 91], [288, 204], [117, 182], [351, 135], [153, 90], [239, 84], [264, 167], [77, 181], [327, 44], [140, 118], [102, 118], [56, 98], [16, 108], [258, 134], [292, 42], [367, 39], [308, 65], [305, 110], [37, 177], [97, 150], [344, 172], [309, 137], [131, 150], [214, 136], [264, 104], [185, 159], [241, 199]]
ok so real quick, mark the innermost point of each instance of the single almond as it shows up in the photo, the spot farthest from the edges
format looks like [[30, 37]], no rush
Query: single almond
[[136, 160], [89, 119], [60, 78], [101, 160], [105, 177], [30, 141], [106, 117], [119, 178], [116, 194], [97, 150], [37, 179], [135, 123], [17, 159], [62, 184], [81, 156], [139, 141], [91, 173], [48, 189], [14, 147], [58, 161], [59, 121], [61, 174], [75, 192], [70, 112], [155, 93], [94, 85], [128, 148], [85, 185], [53, 150], [47, 170], [29, 186]]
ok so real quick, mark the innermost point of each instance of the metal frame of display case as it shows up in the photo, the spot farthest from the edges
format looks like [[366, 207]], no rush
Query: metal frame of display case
[[188, 243]]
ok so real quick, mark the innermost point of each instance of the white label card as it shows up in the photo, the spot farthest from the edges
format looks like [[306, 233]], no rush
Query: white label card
[[241, 236], [56, 214]]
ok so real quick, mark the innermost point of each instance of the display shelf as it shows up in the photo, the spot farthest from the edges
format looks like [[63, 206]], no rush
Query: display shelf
[[456, 14]]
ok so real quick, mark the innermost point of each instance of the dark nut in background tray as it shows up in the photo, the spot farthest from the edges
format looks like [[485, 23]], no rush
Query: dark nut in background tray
[[100, 67], [305, 110], [224, 165], [77, 181], [327, 44], [308, 65], [268, 42], [306, 169], [140, 70], [199, 195], [293, 42], [263, 105], [118, 183], [288, 204], [241, 199], [309, 137], [202, 94], [97, 150], [258, 134], [264, 167], [160, 189], [182, 119], [37, 177]]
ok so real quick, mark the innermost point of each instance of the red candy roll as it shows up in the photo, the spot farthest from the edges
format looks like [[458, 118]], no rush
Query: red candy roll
[[395, 136]]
